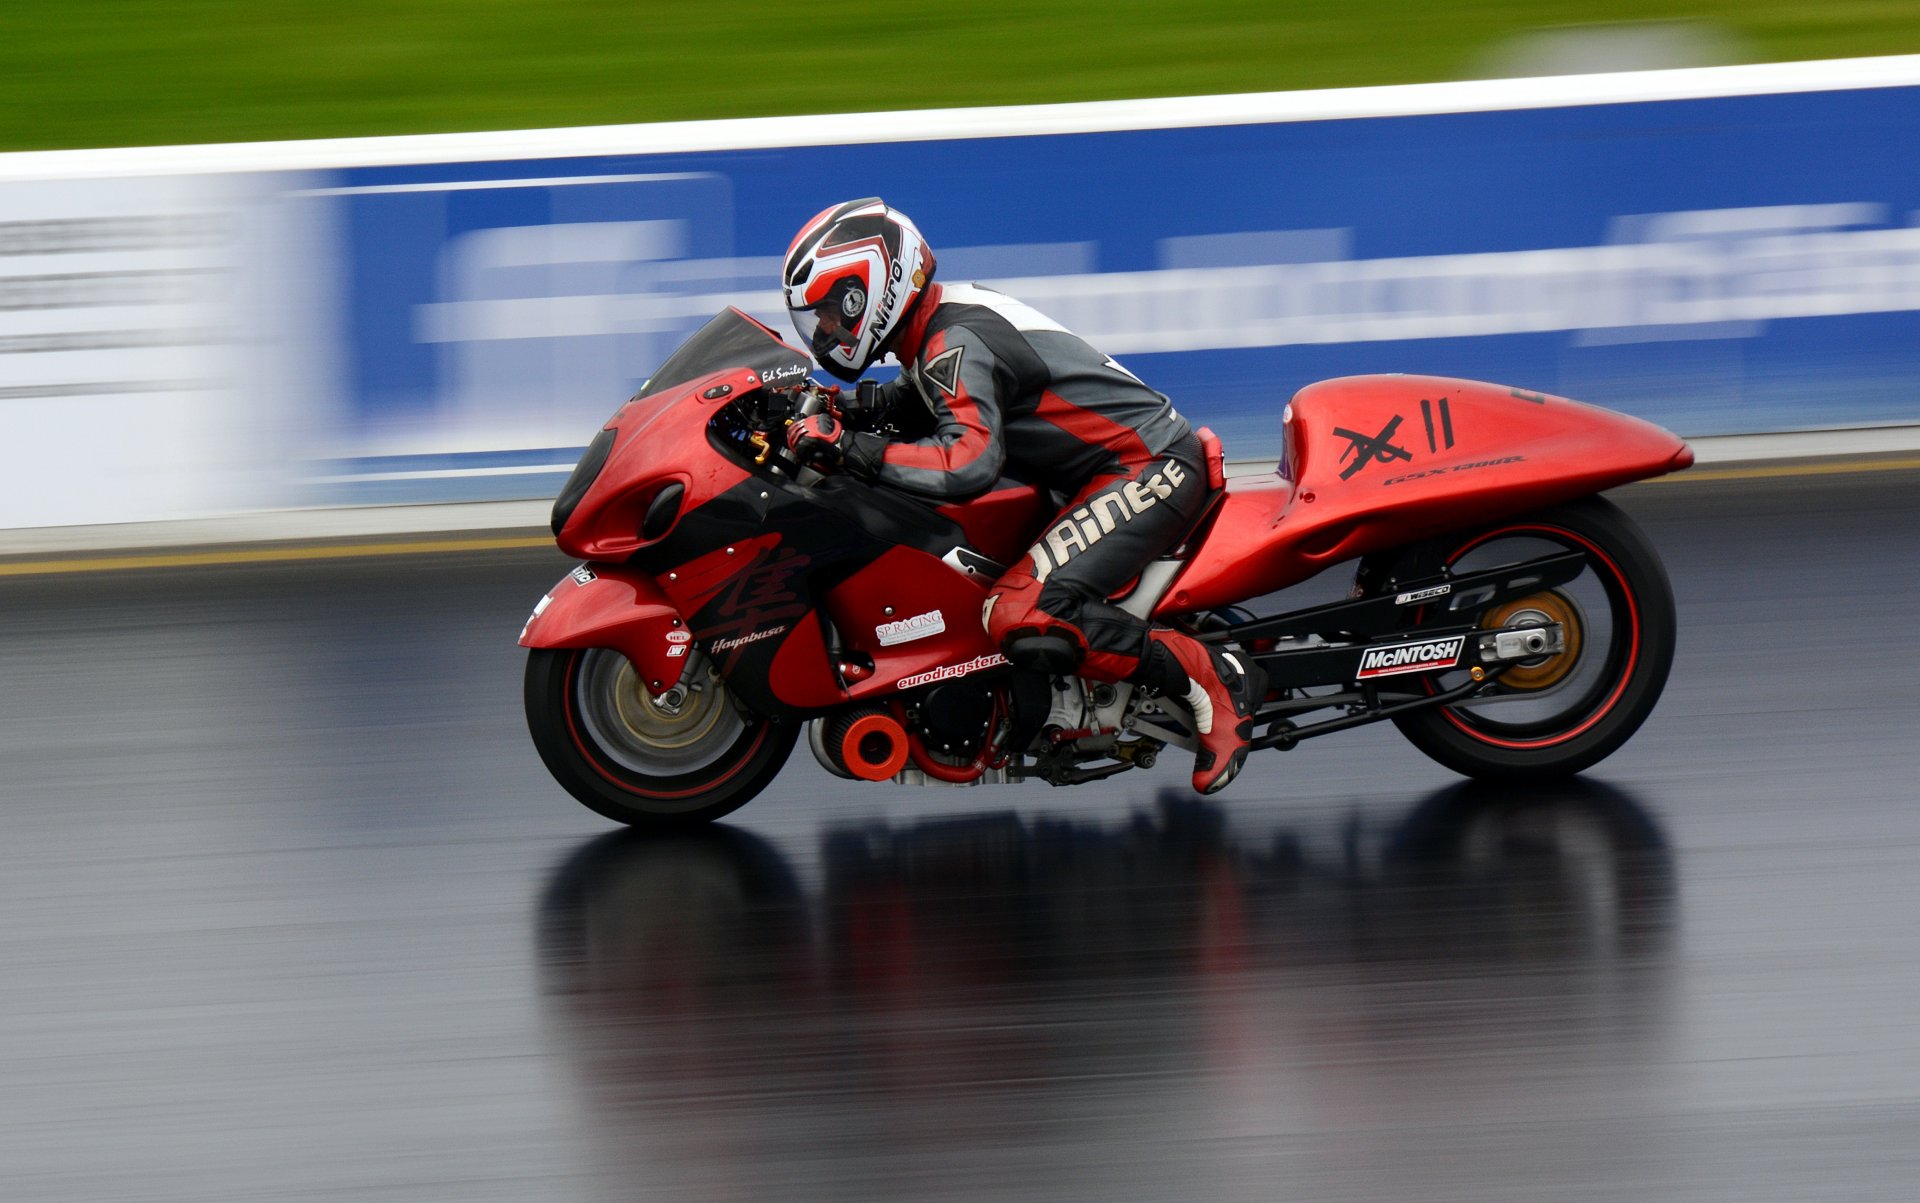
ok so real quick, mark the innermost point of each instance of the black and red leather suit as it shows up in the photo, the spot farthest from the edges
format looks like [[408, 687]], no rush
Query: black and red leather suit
[[1010, 390]]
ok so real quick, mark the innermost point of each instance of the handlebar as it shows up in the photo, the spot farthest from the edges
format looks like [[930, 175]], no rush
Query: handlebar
[[815, 398], [762, 416]]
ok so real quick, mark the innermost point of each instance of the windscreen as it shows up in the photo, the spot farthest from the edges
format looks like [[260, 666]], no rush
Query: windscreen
[[730, 340]]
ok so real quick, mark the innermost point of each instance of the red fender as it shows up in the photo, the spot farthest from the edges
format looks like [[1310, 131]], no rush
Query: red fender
[[618, 608], [1377, 461]]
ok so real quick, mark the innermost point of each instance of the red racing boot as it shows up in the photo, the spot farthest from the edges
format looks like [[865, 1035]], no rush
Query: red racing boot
[[1222, 690]]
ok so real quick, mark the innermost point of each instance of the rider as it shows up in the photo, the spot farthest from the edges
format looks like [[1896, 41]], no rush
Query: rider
[[1006, 386]]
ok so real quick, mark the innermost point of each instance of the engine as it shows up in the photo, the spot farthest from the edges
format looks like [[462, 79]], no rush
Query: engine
[[962, 732], [955, 719]]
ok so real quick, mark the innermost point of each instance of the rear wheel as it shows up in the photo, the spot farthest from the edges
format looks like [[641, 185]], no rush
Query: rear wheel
[[1560, 713], [678, 760]]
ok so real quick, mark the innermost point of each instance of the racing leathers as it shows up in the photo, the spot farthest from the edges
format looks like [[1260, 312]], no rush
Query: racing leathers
[[1009, 389]]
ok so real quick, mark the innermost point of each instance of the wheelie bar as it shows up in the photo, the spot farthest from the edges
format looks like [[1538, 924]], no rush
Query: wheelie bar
[[1284, 734]]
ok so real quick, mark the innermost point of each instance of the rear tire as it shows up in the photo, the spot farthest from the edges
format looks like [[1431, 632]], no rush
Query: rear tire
[[1560, 717], [614, 747]]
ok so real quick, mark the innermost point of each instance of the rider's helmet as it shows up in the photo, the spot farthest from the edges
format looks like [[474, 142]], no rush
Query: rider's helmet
[[851, 277]]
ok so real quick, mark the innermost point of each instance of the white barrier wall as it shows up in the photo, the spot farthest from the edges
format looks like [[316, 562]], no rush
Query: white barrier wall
[[121, 346], [209, 330]]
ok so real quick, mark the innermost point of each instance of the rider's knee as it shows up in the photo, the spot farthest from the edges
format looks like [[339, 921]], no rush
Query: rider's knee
[[1033, 651], [1007, 611], [1029, 638]]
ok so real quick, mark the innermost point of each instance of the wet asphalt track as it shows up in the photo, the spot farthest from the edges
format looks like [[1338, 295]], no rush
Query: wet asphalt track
[[290, 910]]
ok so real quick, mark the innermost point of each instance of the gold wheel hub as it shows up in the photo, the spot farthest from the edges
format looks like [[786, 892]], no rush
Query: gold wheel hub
[[1537, 611], [683, 716]]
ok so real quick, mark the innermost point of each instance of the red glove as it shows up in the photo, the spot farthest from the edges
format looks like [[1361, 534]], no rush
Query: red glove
[[818, 441]]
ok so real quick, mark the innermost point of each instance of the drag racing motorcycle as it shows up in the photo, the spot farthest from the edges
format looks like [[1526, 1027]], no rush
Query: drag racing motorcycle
[[1506, 618]]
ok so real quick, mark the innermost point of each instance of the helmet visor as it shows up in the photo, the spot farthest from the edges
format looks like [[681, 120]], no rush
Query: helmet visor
[[815, 334], [824, 326]]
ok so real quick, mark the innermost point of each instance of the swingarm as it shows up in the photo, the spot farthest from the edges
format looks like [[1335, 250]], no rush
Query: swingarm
[[1465, 594], [1362, 645]]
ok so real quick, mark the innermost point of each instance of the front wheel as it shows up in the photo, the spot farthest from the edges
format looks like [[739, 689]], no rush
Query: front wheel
[[678, 760], [1564, 712]]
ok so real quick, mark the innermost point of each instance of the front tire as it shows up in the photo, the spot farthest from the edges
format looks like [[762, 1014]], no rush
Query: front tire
[[1570, 711], [638, 760]]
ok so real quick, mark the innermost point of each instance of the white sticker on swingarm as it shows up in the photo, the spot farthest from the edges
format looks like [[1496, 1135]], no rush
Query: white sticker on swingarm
[[1423, 655], [1420, 595]]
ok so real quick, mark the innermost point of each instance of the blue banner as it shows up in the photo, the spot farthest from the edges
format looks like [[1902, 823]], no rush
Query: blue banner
[[1718, 266]]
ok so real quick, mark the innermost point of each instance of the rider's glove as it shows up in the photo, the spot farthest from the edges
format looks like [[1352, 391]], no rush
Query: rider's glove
[[823, 442], [819, 441]]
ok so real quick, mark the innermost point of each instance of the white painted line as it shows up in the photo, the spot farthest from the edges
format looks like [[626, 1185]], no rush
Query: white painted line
[[442, 473], [1805, 444], [757, 133], [565, 181], [281, 526]]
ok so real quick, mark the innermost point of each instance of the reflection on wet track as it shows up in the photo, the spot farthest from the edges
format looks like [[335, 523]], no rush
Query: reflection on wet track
[[292, 911], [957, 1000]]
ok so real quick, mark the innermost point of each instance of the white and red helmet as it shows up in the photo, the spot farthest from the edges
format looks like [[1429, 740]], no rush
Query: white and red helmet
[[851, 277]]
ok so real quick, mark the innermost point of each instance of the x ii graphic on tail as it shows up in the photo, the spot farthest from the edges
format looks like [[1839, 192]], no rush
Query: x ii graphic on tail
[[1367, 448]]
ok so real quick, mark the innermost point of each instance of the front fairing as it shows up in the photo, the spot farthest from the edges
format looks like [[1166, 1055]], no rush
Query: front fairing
[[657, 443], [774, 579]]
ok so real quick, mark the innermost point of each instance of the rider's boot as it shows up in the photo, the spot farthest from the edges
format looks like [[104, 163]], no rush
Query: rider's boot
[[1221, 690]]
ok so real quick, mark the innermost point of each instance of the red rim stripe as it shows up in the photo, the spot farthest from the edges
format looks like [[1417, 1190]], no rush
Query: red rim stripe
[[586, 753], [1633, 647]]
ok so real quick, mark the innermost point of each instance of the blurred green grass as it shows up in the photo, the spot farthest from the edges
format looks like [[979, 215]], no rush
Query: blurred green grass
[[133, 72]]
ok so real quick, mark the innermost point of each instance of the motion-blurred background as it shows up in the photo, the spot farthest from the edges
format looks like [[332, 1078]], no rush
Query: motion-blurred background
[[318, 322], [290, 909]]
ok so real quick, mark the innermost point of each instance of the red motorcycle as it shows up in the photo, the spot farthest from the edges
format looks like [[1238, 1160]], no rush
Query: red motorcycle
[[1506, 618]]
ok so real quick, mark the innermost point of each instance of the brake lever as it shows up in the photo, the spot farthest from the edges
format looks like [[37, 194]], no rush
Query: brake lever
[[819, 397]]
